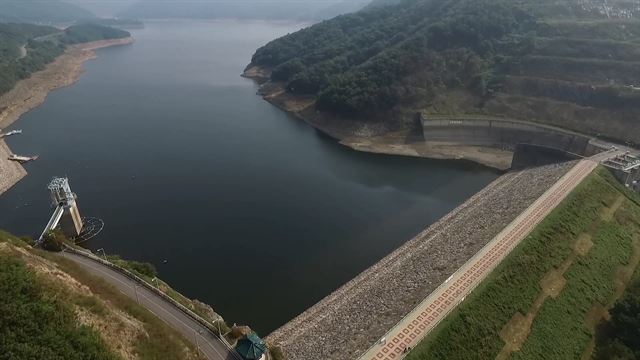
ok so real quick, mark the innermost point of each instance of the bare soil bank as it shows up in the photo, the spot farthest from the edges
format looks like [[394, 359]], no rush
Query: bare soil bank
[[64, 71], [393, 137], [10, 171], [30, 93]]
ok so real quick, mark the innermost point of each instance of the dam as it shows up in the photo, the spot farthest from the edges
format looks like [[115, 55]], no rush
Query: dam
[[379, 305], [343, 325]]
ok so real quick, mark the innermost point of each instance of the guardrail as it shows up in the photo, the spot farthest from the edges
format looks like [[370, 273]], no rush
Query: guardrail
[[88, 254]]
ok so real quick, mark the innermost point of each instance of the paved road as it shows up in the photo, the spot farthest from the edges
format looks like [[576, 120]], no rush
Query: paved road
[[424, 318], [606, 155], [208, 344]]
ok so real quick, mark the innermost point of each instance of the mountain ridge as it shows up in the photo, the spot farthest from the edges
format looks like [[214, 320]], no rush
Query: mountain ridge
[[567, 63]]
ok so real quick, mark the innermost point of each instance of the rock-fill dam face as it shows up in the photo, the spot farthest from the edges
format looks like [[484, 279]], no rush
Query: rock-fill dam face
[[347, 322], [513, 135]]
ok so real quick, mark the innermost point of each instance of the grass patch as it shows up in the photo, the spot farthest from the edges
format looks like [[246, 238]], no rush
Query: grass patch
[[559, 330], [472, 331], [160, 341], [13, 240], [36, 324]]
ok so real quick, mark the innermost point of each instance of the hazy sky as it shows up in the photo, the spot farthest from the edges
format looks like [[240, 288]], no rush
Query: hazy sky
[[106, 8], [103, 8], [261, 9]]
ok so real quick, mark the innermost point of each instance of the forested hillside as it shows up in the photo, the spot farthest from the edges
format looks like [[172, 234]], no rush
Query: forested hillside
[[26, 48], [572, 63]]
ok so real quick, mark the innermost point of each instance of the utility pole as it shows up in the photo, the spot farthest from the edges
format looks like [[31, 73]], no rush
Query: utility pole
[[195, 335], [135, 289]]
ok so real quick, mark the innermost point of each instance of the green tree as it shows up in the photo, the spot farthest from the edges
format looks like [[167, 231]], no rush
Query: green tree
[[54, 240], [620, 337]]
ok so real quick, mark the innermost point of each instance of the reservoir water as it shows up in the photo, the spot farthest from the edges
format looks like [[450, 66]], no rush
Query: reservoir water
[[256, 213]]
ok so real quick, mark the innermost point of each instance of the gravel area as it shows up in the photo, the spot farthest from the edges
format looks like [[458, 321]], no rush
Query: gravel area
[[347, 322], [10, 171]]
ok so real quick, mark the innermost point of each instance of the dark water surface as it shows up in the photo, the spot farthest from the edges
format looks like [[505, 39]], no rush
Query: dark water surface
[[257, 214]]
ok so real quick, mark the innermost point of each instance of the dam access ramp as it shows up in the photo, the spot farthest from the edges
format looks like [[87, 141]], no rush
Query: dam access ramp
[[350, 321]]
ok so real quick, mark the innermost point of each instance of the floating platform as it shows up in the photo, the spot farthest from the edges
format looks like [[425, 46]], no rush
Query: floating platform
[[22, 159]]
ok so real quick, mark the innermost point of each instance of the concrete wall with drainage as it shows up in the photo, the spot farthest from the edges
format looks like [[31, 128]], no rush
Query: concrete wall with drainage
[[504, 134]]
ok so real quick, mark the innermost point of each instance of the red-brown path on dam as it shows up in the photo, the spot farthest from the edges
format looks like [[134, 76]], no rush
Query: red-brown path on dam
[[426, 316]]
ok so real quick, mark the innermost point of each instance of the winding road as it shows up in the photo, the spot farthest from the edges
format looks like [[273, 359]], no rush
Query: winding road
[[206, 342]]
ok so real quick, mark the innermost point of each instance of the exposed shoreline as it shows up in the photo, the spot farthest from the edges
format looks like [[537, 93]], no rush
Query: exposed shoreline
[[30, 93], [372, 137]]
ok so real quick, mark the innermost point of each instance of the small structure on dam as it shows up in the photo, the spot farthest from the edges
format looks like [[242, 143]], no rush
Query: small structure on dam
[[66, 215], [61, 195], [626, 168]]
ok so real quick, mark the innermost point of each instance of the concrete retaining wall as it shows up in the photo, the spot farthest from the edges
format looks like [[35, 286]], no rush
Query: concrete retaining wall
[[528, 155], [504, 134]]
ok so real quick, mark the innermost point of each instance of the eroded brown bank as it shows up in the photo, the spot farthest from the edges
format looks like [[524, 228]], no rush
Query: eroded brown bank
[[30, 93], [392, 137]]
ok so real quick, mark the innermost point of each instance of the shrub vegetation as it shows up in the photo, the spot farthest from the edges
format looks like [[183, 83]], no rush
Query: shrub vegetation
[[36, 324]]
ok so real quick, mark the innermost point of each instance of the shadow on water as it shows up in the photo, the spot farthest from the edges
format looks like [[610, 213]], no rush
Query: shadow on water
[[372, 177]]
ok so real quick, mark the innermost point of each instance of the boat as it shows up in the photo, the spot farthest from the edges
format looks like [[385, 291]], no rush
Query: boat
[[22, 159], [12, 132]]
